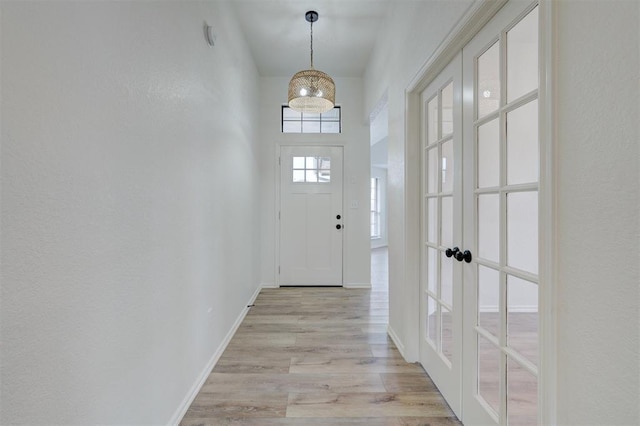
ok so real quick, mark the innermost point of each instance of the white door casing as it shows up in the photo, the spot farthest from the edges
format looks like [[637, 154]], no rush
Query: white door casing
[[311, 216]]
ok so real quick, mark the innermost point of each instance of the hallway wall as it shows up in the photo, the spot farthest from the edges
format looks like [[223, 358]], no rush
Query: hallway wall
[[130, 204]]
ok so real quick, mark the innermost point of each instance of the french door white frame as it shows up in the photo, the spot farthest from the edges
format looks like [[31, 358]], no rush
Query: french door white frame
[[476, 17], [277, 197]]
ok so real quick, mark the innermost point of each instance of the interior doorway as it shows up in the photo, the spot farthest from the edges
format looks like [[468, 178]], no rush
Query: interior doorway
[[379, 132]]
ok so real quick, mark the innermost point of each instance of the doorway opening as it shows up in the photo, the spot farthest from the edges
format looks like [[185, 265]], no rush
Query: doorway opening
[[379, 132]]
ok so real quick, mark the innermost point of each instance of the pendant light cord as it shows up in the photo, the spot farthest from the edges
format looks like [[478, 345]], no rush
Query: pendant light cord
[[312, 44]]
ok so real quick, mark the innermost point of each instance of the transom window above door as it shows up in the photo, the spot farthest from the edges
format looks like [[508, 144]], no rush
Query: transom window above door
[[311, 169], [303, 122]]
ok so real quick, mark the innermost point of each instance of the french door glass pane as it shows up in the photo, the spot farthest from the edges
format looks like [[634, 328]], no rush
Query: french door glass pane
[[432, 273], [489, 300], [488, 87], [432, 120], [522, 317], [432, 170], [522, 57], [432, 220], [522, 395], [489, 372], [522, 231], [446, 222], [446, 278], [446, 164], [447, 333], [488, 227], [522, 144], [432, 319], [447, 110], [488, 154]]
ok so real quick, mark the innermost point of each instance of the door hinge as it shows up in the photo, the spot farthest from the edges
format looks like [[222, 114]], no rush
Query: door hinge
[[279, 162], [278, 270], [279, 215]]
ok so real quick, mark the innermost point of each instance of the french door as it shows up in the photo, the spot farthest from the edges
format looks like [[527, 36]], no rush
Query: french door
[[487, 220]]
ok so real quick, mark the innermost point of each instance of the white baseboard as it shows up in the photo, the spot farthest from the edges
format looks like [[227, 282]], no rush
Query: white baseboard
[[396, 340], [357, 285], [269, 285], [193, 392]]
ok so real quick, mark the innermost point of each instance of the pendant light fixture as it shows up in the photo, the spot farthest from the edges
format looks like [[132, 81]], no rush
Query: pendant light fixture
[[311, 90]]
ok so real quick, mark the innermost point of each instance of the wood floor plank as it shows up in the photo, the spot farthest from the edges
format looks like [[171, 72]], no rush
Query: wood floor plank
[[299, 383], [367, 405], [314, 364]]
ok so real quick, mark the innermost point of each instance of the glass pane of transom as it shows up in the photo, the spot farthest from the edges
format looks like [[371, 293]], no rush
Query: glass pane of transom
[[432, 120], [522, 144], [489, 227], [447, 110], [522, 230], [290, 114], [522, 317], [488, 86], [332, 114], [330, 127], [310, 127], [446, 166], [291, 126], [489, 300], [489, 154], [522, 57], [522, 395], [489, 372]]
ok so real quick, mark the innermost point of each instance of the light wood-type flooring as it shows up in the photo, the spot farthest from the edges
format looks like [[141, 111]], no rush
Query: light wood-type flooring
[[318, 356]]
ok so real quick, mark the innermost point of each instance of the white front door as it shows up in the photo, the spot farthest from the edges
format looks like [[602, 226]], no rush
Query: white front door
[[441, 289], [501, 170], [311, 216]]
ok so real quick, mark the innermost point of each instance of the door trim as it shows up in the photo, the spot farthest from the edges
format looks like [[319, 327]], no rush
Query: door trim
[[476, 17], [276, 212]]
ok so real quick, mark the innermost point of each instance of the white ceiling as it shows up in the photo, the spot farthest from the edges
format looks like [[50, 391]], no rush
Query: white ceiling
[[343, 36]]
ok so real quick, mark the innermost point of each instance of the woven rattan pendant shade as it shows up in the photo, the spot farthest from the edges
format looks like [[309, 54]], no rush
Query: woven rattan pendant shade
[[311, 90]]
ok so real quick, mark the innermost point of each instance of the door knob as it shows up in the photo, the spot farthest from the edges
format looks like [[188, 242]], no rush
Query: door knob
[[338, 226], [466, 256], [451, 252]]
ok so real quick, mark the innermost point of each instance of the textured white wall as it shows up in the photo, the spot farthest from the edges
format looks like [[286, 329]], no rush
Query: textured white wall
[[355, 137], [129, 205], [598, 231]]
